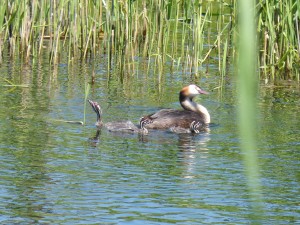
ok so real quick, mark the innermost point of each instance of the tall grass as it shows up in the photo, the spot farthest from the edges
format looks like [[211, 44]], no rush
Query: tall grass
[[123, 30], [183, 33]]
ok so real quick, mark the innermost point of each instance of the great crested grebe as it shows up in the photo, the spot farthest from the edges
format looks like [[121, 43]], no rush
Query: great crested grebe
[[121, 126], [192, 119]]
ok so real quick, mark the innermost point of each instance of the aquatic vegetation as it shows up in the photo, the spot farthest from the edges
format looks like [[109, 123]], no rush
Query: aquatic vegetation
[[185, 34], [278, 27]]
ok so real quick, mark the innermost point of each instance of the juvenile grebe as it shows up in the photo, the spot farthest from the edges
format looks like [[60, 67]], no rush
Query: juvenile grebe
[[121, 126], [193, 118]]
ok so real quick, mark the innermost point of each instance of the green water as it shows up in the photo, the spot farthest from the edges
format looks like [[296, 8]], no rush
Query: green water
[[54, 172]]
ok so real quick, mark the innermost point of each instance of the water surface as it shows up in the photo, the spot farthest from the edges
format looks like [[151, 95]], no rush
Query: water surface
[[54, 172]]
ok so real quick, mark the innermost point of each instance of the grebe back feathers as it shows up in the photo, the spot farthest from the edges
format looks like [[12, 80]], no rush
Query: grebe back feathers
[[191, 113]]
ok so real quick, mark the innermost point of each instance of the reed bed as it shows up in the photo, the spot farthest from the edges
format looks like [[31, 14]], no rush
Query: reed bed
[[279, 37], [185, 34]]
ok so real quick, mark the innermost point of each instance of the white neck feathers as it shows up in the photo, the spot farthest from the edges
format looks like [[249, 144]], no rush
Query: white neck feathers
[[203, 110], [188, 104]]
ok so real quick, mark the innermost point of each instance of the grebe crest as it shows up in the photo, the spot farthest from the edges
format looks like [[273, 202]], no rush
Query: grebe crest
[[192, 90], [186, 96]]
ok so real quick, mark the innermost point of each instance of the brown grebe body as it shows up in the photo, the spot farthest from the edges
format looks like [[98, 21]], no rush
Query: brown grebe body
[[193, 118]]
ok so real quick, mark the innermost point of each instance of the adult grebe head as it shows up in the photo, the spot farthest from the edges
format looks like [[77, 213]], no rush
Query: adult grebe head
[[191, 91], [186, 96]]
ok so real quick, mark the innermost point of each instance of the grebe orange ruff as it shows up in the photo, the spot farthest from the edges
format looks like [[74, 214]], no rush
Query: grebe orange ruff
[[192, 119]]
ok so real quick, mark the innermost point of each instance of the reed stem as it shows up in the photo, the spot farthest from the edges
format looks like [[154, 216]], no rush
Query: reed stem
[[247, 91]]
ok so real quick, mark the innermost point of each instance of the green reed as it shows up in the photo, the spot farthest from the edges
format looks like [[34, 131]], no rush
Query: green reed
[[247, 107], [278, 27], [86, 94], [159, 31], [120, 29]]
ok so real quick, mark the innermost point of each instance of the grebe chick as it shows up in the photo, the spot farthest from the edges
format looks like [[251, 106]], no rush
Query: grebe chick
[[120, 126], [192, 119], [195, 127]]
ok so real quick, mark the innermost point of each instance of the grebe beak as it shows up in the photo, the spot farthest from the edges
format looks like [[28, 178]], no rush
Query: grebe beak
[[203, 92]]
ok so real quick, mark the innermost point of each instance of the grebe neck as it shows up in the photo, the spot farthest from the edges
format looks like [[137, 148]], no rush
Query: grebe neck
[[205, 112], [99, 122], [188, 104]]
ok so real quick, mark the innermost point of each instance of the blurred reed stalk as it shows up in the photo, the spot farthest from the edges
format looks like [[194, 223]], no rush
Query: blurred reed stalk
[[247, 95], [180, 33]]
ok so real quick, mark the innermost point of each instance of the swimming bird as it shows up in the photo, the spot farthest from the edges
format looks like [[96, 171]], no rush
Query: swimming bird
[[119, 126], [192, 119]]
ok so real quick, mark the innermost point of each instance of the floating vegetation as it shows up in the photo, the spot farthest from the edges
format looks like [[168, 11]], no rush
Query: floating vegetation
[[11, 84], [69, 121], [185, 34]]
